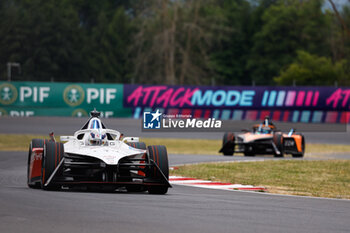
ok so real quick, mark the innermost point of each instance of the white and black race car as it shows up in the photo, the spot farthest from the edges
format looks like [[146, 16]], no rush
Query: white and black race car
[[96, 157]]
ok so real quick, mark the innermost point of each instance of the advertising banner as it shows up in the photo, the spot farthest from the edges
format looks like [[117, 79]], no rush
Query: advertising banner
[[294, 104], [315, 98], [61, 99], [297, 104]]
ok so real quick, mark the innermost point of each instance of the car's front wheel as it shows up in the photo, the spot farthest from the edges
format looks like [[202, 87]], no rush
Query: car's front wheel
[[160, 157], [228, 144], [52, 155], [35, 143]]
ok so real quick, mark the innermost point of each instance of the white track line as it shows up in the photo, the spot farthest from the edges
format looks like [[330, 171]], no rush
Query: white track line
[[186, 181]]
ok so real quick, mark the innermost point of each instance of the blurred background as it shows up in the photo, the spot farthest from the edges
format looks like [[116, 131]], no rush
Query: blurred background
[[177, 42]]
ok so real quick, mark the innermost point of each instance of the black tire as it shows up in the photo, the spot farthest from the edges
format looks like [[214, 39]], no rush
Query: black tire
[[278, 140], [228, 144], [300, 154], [160, 156], [52, 156], [137, 145], [35, 143]]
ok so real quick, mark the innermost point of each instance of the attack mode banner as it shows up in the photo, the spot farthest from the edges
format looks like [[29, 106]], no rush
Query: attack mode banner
[[293, 104], [312, 98]]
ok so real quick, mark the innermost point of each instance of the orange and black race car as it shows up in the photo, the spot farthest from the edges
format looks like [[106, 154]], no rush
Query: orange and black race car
[[264, 139]]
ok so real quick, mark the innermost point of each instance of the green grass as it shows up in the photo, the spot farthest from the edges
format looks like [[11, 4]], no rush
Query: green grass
[[329, 178], [186, 146], [15, 142]]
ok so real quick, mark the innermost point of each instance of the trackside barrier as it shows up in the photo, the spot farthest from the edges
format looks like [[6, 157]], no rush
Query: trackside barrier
[[61, 99], [290, 104]]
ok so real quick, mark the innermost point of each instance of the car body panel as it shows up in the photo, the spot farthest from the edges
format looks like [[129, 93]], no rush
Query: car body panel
[[251, 137], [109, 154]]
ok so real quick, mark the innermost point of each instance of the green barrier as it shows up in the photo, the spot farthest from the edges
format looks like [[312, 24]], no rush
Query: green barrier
[[79, 112], [61, 99]]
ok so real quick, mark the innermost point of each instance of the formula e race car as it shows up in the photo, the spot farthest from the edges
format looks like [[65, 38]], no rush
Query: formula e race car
[[264, 139], [98, 158]]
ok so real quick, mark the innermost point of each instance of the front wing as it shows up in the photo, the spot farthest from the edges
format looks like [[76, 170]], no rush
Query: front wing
[[77, 170]]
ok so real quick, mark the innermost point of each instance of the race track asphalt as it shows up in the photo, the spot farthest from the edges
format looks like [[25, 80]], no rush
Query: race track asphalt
[[318, 133], [183, 209]]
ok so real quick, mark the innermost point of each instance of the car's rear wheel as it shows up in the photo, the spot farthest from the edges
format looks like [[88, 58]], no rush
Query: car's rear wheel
[[278, 140], [300, 154], [35, 143], [52, 156], [160, 157], [228, 144]]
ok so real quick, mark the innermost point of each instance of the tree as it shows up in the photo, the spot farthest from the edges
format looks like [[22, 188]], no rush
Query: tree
[[43, 36], [107, 48], [173, 42], [310, 69], [229, 54], [66, 40], [288, 26]]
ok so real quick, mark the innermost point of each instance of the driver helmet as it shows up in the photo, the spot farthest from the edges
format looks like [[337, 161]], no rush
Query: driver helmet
[[266, 130], [97, 138], [267, 121], [262, 129]]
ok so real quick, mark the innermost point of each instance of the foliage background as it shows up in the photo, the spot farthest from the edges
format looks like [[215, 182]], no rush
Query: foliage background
[[207, 42]]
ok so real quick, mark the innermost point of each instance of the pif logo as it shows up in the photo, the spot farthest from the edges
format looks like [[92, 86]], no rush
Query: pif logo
[[8, 93], [151, 120], [73, 95], [79, 113]]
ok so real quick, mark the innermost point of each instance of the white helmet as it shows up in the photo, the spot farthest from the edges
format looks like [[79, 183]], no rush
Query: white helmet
[[97, 138]]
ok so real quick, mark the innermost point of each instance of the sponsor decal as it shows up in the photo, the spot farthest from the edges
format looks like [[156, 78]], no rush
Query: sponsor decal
[[73, 95], [20, 113], [101, 95], [227, 98], [239, 97], [339, 97], [8, 93], [36, 94], [37, 156], [289, 143], [79, 113], [162, 96]]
